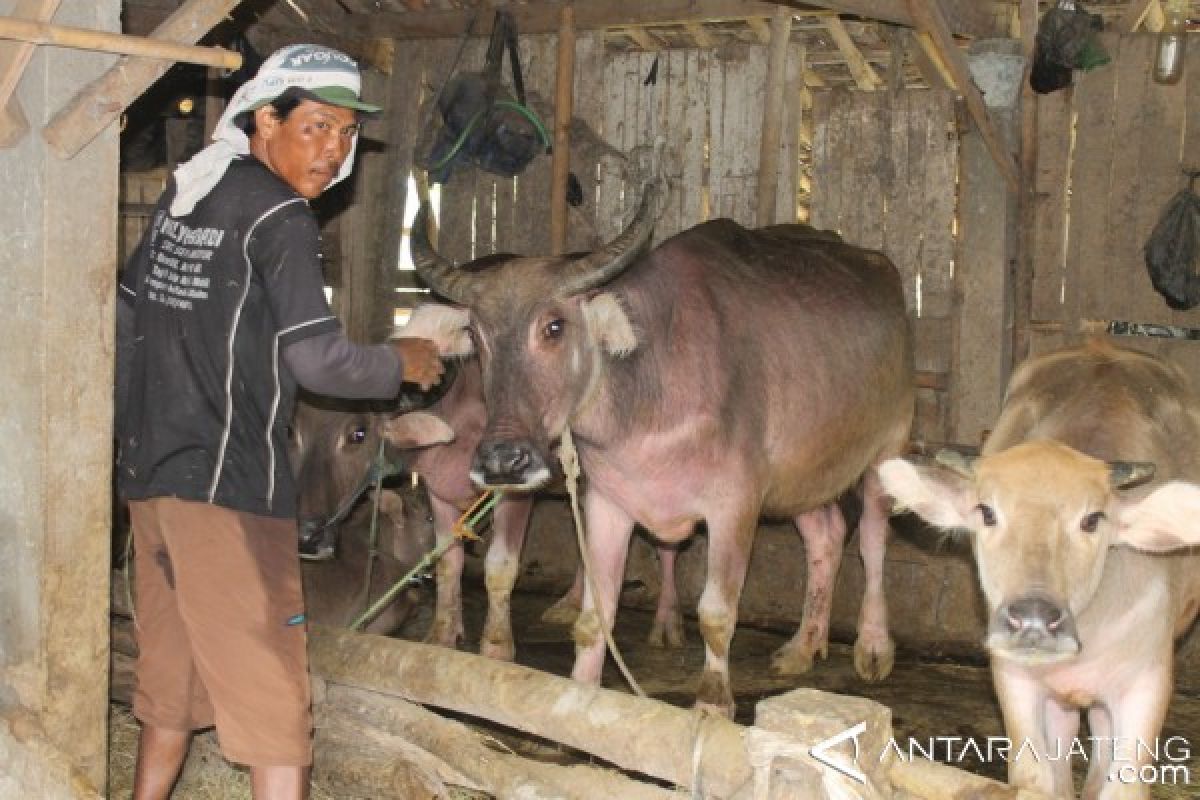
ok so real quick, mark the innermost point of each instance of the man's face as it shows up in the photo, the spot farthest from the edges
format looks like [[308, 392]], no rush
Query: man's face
[[307, 149]]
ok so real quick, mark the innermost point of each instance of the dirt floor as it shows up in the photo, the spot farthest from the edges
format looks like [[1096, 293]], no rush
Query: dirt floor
[[927, 698]]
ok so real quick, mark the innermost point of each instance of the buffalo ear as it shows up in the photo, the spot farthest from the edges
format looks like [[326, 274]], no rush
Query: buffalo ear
[[1163, 520], [940, 496], [609, 324], [417, 429], [445, 325]]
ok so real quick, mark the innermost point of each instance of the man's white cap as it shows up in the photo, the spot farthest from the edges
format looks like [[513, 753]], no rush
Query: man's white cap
[[328, 75]]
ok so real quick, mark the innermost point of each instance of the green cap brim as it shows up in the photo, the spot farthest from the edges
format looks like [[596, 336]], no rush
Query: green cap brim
[[333, 95], [341, 96]]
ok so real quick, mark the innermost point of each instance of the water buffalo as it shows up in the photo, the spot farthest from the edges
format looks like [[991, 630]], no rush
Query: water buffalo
[[334, 449], [1077, 618], [724, 375]]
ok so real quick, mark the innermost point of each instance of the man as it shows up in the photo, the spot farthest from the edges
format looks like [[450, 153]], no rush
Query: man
[[222, 314]]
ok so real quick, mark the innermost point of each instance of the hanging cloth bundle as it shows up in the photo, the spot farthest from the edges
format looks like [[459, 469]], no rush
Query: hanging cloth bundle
[[1066, 41], [482, 124], [1173, 250]]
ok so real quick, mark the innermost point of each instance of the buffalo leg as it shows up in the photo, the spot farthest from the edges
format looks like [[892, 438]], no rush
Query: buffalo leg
[[824, 532], [1135, 717], [608, 532], [447, 628], [1035, 723], [874, 650], [668, 620], [509, 521], [729, 540]]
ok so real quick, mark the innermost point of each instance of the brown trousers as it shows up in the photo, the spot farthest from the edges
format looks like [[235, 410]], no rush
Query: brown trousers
[[220, 629]]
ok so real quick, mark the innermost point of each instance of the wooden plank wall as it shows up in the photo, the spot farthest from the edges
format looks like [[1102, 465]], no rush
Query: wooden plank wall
[[705, 104], [884, 177], [1111, 151]]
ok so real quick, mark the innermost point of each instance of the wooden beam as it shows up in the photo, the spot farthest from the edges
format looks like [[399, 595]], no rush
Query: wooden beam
[[772, 124], [761, 28], [929, 20], [969, 18], [700, 34], [542, 17], [23, 30], [929, 62], [642, 38], [13, 59], [564, 108], [99, 103], [864, 75], [1135, 12]]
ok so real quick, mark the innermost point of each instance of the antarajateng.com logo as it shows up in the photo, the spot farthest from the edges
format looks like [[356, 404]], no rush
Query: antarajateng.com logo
[[1164, 761]]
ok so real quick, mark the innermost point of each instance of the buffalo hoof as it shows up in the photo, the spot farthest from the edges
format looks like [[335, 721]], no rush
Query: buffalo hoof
[[714, 695], [564, 612], [444, 636], [667, 634], [873, 660], [498, 648], [793, 659]]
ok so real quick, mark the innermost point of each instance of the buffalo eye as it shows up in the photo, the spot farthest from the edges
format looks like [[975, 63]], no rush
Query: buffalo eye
[[1091, 522], [989, 516], [554, 328], [358, 435]]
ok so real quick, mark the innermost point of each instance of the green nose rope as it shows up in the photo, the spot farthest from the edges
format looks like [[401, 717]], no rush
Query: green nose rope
[[464, 529]]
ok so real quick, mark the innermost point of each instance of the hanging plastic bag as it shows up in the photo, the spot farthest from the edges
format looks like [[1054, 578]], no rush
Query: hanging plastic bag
[[482, 124], [1173, 250], [1066, 41]]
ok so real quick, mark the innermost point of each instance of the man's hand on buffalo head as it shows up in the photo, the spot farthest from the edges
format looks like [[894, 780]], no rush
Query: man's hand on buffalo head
[[420, 360]]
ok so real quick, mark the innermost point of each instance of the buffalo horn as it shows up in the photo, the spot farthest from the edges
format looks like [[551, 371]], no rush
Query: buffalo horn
[[1124, 474], [598, 268], [439, 273], [956, 462]]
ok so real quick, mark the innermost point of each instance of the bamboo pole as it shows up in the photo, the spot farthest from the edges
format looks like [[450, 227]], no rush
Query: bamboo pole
[[27, 30], [772, 124], [564, 103], [99, 103]]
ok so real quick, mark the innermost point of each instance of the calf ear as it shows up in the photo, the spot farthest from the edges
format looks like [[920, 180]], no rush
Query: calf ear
[[1166, 519], [937, 495], [417, 429], [609, 324], [445, 325]]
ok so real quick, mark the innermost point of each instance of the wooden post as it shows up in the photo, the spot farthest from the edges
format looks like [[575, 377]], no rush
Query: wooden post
[[1026, 197], [13, 58], [563, 109], [214, 101], [103, 100], [772, 125]]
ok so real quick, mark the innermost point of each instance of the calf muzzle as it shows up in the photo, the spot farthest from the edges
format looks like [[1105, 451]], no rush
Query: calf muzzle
[[318, 539], [1033, 628]]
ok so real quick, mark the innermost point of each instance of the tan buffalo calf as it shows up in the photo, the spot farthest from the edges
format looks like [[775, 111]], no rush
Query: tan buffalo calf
[[1085, 485]]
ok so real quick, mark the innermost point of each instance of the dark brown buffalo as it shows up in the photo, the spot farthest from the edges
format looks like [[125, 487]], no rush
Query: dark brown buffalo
[[333, 448], [725, 375]]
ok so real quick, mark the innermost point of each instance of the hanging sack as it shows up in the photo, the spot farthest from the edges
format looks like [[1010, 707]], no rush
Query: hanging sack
[[482, 123], [1066, 41], [1173, 250]]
